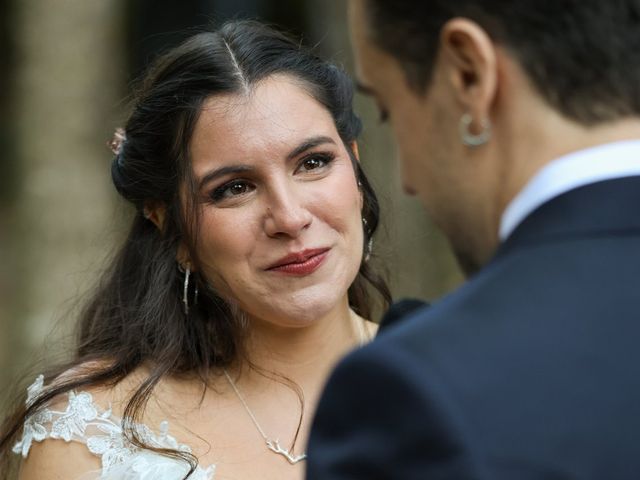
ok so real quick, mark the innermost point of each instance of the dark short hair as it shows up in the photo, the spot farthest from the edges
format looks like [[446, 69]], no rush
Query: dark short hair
[[583, 56]]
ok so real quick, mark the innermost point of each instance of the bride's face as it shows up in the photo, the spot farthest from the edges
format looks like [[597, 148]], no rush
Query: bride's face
[[281, 227]]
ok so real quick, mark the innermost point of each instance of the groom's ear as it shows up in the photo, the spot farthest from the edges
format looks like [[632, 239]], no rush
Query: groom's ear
[[470, 58]]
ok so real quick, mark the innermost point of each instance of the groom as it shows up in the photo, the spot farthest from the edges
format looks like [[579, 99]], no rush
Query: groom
[[518, 124]]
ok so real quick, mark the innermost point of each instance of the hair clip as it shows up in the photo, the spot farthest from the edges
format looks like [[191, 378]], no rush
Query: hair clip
[[117, 142]]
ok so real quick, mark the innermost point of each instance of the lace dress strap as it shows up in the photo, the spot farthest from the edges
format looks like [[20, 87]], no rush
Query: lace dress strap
[[84, 422]]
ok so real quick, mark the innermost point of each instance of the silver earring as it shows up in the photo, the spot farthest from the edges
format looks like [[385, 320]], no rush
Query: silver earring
[[185, 290], [369, 247], [367, 252], [472, 140]]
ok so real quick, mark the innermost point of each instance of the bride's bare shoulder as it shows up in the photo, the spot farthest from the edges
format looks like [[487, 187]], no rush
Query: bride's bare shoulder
[[113, 394], [48, 458], [170, 399]]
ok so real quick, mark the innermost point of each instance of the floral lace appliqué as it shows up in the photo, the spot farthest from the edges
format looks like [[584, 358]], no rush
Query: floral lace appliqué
[[34, 427], [102, 433]]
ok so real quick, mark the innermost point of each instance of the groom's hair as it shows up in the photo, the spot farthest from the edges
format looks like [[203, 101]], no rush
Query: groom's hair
[[583, 56]]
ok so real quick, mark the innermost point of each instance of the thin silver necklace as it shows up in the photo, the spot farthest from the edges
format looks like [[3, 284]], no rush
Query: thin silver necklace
[[273, 445]]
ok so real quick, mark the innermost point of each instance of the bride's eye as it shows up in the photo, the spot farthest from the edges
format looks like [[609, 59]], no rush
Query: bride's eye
[[233, 189], [315, 161]]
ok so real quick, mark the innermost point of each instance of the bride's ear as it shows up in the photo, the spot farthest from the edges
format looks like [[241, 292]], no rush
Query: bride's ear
[[354, 149], [155, 214], [183, 258], [356, 154]]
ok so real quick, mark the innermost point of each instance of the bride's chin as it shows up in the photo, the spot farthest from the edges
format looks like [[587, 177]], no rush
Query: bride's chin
[[290, 320], [296, 316], [299, 309]]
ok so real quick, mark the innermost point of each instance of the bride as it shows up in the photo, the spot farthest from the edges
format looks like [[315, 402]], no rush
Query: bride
[[243, 280]]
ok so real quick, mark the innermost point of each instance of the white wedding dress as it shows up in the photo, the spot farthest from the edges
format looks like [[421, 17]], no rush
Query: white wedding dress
[[80, 420]]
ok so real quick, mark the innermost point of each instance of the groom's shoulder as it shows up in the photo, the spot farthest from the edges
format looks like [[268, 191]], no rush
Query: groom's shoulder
[[481, 296], [477, 316]]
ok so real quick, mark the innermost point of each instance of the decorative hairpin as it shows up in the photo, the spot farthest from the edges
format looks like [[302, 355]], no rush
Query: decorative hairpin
[[117, 142]]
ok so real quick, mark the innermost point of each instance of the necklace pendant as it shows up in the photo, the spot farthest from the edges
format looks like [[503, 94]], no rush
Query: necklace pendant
[[275, 447]]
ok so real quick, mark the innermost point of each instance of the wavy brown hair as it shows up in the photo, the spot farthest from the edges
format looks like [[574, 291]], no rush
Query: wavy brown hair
[[135, 314]]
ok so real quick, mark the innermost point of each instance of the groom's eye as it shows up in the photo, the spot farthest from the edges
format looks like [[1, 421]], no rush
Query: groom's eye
[[383, 115]]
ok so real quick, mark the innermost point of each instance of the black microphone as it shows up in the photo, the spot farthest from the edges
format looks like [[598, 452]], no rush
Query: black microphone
[[400, 310]]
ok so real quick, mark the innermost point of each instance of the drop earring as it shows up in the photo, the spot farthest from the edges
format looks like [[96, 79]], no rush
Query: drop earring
[[185, 289], [369, 245]]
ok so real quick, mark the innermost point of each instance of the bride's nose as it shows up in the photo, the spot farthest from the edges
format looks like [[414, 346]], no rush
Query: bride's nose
[[286, 213]]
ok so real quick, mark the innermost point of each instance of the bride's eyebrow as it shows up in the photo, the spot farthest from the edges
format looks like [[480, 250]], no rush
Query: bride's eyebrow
[[305, 145], [308, 144], [221, 172]]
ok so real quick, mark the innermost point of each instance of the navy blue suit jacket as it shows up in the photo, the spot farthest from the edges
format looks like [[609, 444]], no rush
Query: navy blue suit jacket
[[531, 370]]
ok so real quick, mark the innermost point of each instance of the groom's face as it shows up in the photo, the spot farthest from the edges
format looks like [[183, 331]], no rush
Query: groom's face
[[425, 125], [416, 119]]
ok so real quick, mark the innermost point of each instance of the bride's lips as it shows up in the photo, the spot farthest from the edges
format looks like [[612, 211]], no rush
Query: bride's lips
[[300, 263]]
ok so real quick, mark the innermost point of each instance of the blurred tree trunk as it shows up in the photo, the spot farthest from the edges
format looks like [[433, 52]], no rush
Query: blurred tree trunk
[[66, 88], [8, 180]]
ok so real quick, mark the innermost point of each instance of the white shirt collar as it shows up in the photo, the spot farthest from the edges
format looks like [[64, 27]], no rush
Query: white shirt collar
[[604, 162]]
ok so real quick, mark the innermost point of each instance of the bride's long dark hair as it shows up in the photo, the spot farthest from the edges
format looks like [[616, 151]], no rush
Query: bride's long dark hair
[[135, 315]]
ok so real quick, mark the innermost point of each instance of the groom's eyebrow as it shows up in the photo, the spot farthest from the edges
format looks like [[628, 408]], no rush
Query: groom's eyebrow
[[364, 89]]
